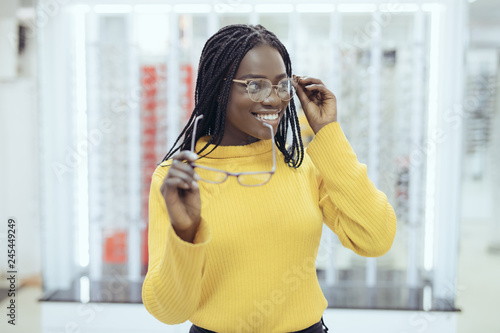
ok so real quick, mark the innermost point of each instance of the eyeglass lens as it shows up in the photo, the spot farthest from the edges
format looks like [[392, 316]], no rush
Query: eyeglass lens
[[255, 179], [217, 177], [259, 90]]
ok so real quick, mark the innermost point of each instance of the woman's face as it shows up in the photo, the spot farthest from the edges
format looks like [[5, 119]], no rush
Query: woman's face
[[242, 126]]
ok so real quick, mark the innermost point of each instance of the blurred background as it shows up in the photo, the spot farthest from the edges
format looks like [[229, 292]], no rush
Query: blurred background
[[94, 93]]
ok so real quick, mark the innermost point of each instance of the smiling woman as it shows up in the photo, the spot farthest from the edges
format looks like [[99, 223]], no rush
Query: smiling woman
[[241, 126], [239, 52], [238, 255]]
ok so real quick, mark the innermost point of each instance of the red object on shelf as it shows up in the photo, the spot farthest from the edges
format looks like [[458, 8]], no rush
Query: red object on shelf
[[152, 81], [187, 87], [115, 248]]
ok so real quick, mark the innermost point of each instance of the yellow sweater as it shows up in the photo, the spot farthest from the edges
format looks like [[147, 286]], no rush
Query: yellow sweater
[[252, 265]]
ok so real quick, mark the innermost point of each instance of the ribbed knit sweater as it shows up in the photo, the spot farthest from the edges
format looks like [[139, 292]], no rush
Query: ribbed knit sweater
[[251, 266]]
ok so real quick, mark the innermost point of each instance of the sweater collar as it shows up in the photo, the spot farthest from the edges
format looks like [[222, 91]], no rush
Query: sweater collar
[[252, 149]]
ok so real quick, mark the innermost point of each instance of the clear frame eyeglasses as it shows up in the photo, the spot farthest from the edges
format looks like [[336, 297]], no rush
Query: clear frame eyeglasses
[[216, 176], [260, 89]]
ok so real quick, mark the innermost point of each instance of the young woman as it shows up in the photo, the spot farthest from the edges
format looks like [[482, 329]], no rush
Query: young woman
[[235, 216]]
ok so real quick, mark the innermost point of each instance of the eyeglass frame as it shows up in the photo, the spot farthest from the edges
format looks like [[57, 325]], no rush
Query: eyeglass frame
[[235, 174], [275, 86]]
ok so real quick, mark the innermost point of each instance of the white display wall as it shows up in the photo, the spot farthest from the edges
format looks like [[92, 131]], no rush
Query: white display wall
[[117, 85]]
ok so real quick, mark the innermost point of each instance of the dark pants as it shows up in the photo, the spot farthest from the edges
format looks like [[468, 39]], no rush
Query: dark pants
[[316, 328]]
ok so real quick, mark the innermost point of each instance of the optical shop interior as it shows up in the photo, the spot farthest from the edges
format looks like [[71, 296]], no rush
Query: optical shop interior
[[94, 94]]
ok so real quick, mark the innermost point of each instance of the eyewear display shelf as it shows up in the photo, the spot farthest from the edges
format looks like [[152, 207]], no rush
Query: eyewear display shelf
[[392, 295], [123, 86]]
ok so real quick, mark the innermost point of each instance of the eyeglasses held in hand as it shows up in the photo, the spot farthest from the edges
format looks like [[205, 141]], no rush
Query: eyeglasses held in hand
[[216, 176], [260, 89]]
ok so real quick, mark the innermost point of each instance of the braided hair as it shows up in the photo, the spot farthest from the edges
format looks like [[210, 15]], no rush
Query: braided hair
[[219, 61]]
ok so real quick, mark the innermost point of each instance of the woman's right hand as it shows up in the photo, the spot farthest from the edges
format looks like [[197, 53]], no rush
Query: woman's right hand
[[182, 195]]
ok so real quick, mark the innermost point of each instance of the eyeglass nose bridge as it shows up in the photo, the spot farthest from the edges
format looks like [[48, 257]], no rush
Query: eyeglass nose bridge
[[274, 87]]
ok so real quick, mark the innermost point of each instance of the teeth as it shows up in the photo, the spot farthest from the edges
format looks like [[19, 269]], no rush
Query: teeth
[[267, 116]]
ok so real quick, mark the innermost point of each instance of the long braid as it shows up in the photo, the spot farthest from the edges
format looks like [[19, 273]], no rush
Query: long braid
[[219, 61]]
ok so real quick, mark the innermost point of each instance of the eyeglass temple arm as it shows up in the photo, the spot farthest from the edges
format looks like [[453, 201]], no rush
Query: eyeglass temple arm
[[274, 149], [246, 81], [195, 127]]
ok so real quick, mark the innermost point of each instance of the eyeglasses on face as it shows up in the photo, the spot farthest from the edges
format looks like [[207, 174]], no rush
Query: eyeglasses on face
[[216, 176], [260, 89]]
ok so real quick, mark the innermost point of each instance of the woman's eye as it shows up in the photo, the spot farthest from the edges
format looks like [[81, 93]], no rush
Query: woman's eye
[[254, 85], [284, 86]]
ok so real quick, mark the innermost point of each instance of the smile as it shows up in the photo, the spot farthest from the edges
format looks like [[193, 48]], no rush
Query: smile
[[273, 116]]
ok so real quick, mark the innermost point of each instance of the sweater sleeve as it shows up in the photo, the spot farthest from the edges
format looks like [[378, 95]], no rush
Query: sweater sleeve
[[172, 287], [353, 208]]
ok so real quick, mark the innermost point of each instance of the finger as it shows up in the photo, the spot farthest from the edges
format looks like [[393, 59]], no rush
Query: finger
[[179, 183], [304, 80], [306, 97], [310, 84], [187, 168], [301, 93], [321, 88], [185, 155], [173, 173], [172, 184]]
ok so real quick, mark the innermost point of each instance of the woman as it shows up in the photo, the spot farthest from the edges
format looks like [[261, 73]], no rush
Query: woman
[[234, 228]]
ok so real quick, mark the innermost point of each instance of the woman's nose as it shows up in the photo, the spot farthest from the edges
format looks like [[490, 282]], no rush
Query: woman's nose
[[273, 99]]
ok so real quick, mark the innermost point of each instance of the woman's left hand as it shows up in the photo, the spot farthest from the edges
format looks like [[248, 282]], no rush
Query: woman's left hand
[[319, 103]]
